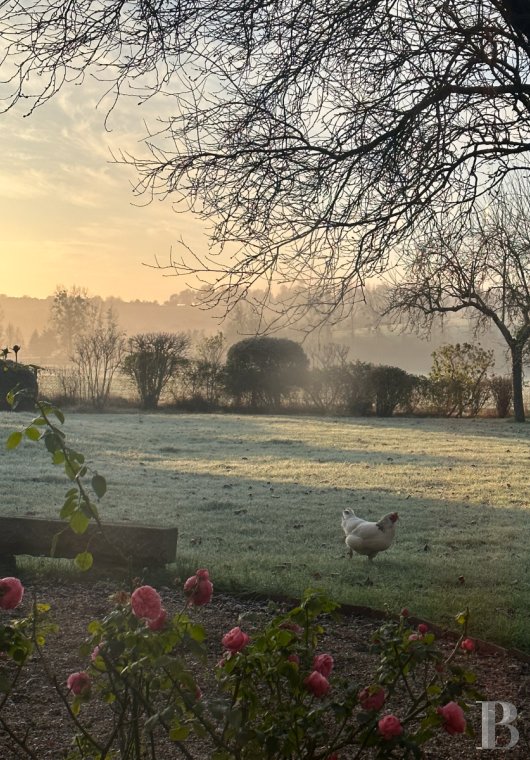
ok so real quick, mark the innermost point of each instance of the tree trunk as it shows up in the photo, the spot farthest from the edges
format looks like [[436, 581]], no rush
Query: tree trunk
[[517, 380]]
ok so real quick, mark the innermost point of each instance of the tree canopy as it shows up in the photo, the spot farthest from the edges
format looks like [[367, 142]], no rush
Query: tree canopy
[[152, 359], [315, 136], [264, 370]]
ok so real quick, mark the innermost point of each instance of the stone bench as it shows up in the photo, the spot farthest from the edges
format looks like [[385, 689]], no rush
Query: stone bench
[[144, 545]]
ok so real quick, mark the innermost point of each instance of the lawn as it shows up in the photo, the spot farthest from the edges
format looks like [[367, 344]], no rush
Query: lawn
[[258, 501]]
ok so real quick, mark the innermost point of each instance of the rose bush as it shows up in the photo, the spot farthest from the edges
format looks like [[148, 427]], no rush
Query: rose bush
[[277, 696]]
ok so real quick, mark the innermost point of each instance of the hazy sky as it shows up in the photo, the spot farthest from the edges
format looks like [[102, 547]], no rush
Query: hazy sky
[[67, 212]]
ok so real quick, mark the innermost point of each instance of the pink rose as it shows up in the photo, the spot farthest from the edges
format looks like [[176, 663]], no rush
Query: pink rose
[[146, 603], [198, 588], [422, 628], [323, 663], [294, 658], [404, 612], [468, 645], [11, 593], [415, 637], [317, 684], [389, 726], [158, 623], [372, 698], [79, 683], [235, 640], [454, 720]]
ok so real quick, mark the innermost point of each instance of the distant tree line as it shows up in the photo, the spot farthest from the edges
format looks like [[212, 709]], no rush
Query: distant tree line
[[259, 374], [268, 374]]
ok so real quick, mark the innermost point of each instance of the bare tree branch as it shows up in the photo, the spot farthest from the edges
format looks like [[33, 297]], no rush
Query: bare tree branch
[[316, 137], [483, 269]]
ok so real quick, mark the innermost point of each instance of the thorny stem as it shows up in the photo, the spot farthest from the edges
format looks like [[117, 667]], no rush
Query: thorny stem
[[402, 673], [12, 686], [140, 697], [209, 728], [53, 679]]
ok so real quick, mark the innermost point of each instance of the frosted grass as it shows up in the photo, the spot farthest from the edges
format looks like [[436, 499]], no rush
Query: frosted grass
[[258, 501]]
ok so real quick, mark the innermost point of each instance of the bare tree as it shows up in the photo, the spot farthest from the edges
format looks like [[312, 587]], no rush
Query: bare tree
[[152, 360], [202, 380], [98, 353], [315, 136], [329, 354], [72, 311], [484, 270]]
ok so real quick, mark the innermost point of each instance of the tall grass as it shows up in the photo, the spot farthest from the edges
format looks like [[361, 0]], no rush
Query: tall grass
[[258, 501]]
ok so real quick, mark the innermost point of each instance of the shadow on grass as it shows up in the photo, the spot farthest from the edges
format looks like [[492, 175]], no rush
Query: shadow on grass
[[447, 555]]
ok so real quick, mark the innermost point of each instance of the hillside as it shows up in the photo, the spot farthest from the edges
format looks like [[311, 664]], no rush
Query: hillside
[[21, 317]]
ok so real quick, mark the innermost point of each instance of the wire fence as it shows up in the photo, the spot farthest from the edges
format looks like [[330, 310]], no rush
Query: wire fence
[[62, 384]]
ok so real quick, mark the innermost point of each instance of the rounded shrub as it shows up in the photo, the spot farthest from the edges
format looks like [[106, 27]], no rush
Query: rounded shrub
[[21, 379]]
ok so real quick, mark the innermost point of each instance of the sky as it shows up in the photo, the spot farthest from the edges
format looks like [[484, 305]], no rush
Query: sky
[[67, 212]]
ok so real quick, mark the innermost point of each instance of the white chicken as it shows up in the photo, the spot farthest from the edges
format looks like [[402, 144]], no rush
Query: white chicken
[[370, 538], [350, 520]]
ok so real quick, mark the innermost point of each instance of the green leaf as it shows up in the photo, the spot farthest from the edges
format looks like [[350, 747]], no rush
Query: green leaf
[[52, 441], [14, 439], [58, 457], [89, 509], [58, 414], [99, 484], [434, 690], [196, 632], [84, 561], [79, 522], [68, 508], [33, 433], [38, 421], [179, 733], [76, 456], [94, 627], [71, 470], [283, 638]]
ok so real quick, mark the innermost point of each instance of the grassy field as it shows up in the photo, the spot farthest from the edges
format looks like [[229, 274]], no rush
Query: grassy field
[[258, 501]]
